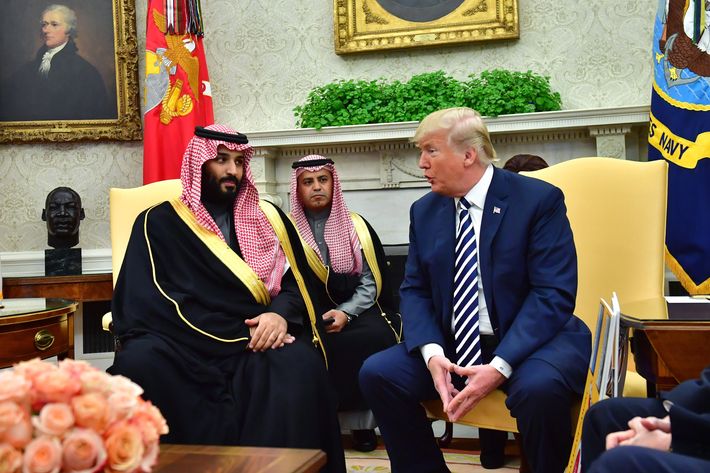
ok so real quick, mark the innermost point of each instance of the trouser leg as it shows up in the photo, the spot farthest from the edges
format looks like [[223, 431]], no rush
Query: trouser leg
[[394, 382], [630, 459], [540, 401]]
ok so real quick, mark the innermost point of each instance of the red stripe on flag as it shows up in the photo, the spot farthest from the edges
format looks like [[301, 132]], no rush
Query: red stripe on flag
[[176, 81]]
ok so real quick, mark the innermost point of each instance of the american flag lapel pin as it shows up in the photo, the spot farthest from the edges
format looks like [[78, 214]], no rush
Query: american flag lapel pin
[[496, 210]]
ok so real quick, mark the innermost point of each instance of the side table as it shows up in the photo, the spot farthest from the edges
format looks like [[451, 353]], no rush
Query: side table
[[92, 291], [36, 327], [81, 288]]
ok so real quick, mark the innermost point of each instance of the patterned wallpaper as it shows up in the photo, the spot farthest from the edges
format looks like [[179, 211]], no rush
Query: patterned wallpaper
[[265, 55]]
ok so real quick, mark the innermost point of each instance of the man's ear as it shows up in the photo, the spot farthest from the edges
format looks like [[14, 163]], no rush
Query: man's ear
[[44, 215], [82, 215], [470, 157]]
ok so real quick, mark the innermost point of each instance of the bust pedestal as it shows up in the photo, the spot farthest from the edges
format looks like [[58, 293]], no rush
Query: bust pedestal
[[62, 261]]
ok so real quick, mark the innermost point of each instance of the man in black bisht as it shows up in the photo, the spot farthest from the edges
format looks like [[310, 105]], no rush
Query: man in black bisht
[[210, 308], [344, 252]]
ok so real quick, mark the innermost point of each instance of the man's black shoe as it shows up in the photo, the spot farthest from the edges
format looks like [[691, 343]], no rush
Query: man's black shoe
[[492, 448], [492, 461], [364, 440]]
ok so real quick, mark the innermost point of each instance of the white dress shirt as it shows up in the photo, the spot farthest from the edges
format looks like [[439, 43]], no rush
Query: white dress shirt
[[477, 198]]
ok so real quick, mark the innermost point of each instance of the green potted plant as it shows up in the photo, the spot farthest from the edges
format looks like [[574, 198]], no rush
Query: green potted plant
[[356, 102]]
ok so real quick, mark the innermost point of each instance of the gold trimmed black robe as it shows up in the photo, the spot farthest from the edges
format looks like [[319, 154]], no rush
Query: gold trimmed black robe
[[179, 307]]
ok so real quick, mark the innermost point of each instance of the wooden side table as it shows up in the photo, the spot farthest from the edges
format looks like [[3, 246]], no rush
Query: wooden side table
[[669, 341], [92, 291], [36, 327], [82, 288], [181, 458]]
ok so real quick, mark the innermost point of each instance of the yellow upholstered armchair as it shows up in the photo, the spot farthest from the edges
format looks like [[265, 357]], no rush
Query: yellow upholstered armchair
[[617, 210], [124, 207]]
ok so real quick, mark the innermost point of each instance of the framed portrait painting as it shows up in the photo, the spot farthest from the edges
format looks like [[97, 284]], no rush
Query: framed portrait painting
[[69, 71], [372, 25]]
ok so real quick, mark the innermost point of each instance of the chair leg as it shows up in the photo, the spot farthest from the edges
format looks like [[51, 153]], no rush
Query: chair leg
[[524, 465], [448, 435]]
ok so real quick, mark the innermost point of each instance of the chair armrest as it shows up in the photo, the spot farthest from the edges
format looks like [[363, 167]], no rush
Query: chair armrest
[[107, 322], [489, 413]]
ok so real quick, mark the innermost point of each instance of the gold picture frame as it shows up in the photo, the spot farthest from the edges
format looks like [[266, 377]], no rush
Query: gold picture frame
[[373, 25], [104, 53]]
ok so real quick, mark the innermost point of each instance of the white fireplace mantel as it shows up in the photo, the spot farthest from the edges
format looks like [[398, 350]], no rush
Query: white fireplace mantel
[[564, 121], [380, 156]]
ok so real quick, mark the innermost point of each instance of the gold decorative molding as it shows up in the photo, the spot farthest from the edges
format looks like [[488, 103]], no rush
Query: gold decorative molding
[[367, 25]]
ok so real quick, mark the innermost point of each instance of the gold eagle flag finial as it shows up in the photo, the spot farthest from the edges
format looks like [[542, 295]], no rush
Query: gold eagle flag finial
[[178, 54]]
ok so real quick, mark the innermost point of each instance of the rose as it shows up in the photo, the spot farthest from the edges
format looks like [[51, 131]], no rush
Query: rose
[[121, 384], [95, 381], [151, 457], [54, 386], [124, 447], [124, 397], [75, 367], [54, 419], [10, 414], [10, 459], [13, 387], [91, 410], [84, 452], [121, 405], [33, 368], [15, 428], [43, 455], [151, 423], [19, 434]]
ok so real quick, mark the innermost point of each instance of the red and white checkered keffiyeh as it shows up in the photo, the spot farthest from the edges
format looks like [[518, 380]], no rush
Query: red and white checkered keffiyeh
[[257, 241], [343, 244]]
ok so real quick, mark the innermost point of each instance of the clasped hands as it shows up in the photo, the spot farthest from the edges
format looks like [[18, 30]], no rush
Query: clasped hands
[[268, 331], [649, 432], [482, 379]]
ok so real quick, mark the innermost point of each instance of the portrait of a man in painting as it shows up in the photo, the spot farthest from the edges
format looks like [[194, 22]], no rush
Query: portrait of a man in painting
[[65, 70]]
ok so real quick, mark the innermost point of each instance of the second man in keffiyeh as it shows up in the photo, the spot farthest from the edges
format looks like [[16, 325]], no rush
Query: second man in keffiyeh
[[345, 253]]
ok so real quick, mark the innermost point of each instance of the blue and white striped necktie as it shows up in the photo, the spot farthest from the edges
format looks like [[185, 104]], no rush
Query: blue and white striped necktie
[[466, 332]]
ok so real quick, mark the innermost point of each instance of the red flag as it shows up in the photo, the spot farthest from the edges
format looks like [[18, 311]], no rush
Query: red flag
[[177, 88]]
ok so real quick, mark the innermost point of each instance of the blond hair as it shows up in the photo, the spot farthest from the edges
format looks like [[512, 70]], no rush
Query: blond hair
[[465, 127]]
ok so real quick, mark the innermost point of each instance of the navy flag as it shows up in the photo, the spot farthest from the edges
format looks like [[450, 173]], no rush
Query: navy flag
[[680, 133]]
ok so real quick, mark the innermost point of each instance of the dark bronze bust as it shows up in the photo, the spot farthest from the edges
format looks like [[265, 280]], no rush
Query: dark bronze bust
[[63, 213]]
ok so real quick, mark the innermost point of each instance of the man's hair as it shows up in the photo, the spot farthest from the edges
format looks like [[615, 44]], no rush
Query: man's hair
[[465, 127], [69, 17], [525, 162], [68, 190]]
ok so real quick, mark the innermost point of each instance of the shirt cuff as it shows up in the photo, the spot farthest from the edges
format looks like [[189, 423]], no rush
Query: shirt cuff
[[501, 365], [429, 350]]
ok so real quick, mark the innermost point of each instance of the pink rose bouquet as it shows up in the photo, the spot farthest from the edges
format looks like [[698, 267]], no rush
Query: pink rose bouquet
[[72, 418]]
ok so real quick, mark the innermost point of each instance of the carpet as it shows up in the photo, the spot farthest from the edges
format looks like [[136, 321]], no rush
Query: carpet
[[458, 461]]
